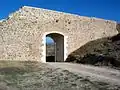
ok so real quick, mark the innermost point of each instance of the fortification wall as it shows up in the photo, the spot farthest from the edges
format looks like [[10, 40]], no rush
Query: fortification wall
[[21, 35]]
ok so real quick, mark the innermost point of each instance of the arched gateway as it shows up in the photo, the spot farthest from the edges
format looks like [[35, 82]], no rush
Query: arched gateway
[[23, 34], [58, 46]]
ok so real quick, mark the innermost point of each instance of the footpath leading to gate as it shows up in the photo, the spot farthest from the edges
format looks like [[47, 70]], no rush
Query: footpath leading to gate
[[94, 73]]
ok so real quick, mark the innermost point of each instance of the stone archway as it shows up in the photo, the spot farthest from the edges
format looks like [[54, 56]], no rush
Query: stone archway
[[58, 45], [55, 34]]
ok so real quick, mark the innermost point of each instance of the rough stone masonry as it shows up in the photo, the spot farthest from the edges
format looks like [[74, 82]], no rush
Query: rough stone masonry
[[22, 35]]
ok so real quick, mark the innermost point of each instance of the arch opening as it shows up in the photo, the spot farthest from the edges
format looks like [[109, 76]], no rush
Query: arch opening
[[54, 47], [50, 49]]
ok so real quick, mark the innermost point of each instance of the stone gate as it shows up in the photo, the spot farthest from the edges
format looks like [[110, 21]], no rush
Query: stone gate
[[23, 34]]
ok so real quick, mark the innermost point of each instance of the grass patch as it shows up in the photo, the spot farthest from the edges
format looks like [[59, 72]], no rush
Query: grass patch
[[39, 76]]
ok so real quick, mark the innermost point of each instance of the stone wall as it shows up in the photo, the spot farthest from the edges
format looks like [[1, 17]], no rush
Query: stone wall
[[21, 35]]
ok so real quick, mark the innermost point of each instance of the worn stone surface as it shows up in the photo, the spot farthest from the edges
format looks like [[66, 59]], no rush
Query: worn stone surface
[[21, 35]]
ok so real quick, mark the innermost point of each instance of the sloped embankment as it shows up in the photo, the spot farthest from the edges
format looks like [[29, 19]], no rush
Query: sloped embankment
[[101, 52]]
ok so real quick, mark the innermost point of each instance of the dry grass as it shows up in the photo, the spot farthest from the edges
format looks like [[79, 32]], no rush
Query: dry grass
[[39, 76]]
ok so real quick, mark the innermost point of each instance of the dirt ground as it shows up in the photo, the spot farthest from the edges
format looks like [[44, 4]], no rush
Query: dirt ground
[[56, 76]]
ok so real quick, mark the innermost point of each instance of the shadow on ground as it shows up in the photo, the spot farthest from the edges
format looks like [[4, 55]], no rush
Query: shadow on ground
[[50, 59]]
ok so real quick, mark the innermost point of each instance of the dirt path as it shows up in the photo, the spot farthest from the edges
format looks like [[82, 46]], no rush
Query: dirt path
[[103, 74], [56, 76]]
